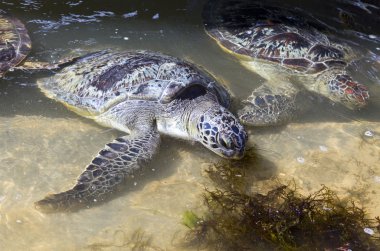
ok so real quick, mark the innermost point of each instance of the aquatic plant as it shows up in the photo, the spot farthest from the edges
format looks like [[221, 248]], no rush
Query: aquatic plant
[[282, 219]]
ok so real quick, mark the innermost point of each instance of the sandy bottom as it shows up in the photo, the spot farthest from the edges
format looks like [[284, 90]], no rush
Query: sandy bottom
[[45, 155]]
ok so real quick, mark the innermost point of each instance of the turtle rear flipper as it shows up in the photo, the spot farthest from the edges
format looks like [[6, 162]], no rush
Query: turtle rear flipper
[[117, 163], [269, 106], [39, 65]]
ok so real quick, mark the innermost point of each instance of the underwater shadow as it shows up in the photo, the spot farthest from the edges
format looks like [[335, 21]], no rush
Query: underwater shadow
[[242, 174]]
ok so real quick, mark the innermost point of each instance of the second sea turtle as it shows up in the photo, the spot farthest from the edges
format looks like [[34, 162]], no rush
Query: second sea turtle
[[279, 44]]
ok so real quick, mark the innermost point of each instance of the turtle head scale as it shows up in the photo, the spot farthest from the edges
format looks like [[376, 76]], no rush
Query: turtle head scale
[[220, 131], [342, 89]]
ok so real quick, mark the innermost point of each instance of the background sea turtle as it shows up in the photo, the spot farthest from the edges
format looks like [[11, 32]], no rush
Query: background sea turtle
[[279, 44], [15, 45], [144, 94]]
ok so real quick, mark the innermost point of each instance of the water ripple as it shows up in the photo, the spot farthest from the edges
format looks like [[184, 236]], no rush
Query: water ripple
[[51, 25]]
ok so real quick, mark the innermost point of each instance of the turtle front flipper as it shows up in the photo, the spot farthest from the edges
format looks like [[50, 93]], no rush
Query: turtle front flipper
[[117, 163], [266, 106]]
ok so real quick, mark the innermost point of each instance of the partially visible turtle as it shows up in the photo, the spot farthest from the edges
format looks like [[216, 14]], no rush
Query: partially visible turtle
[[15, 45], [143, 94], [278, 44]]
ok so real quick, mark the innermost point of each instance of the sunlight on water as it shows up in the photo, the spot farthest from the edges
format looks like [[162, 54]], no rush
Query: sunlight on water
[[45, 147]]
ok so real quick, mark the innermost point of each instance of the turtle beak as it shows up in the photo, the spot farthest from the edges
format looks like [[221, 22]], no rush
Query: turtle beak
[[232, 146]]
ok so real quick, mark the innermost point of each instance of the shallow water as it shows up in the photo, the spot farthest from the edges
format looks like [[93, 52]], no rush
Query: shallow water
[[45, 147]]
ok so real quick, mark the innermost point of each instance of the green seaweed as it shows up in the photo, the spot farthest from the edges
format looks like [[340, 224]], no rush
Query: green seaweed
[[282, 219], [190, 219]]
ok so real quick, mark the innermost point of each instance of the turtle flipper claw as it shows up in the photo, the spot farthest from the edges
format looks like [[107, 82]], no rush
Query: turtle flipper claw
[[109, 170]]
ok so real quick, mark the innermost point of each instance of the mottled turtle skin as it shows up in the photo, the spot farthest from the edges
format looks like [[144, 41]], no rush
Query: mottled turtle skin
[[143, 94], [277, 44], [15, 43]]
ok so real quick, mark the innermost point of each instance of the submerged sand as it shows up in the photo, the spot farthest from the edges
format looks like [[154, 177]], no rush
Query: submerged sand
[[45, 155]]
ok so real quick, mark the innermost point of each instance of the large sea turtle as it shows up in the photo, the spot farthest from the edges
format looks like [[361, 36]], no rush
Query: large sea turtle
[[279, 44], [143, 94], [15, 45]]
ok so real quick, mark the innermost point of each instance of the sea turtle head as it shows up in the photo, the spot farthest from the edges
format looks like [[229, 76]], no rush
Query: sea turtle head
[[220, 131], [342, 89]]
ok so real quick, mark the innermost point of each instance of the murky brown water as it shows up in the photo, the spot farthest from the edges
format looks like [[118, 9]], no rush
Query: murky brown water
[[45, 147]]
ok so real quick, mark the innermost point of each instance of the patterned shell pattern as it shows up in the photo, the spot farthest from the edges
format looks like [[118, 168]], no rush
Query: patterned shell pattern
[[15, 43], [98, 81], [273, 34]]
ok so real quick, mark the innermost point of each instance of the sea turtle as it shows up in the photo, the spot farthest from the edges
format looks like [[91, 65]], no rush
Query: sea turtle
[[143, 94], [15, 45], [279, 44]]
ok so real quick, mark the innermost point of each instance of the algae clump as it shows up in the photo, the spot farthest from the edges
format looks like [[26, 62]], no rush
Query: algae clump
[[282, 219]]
